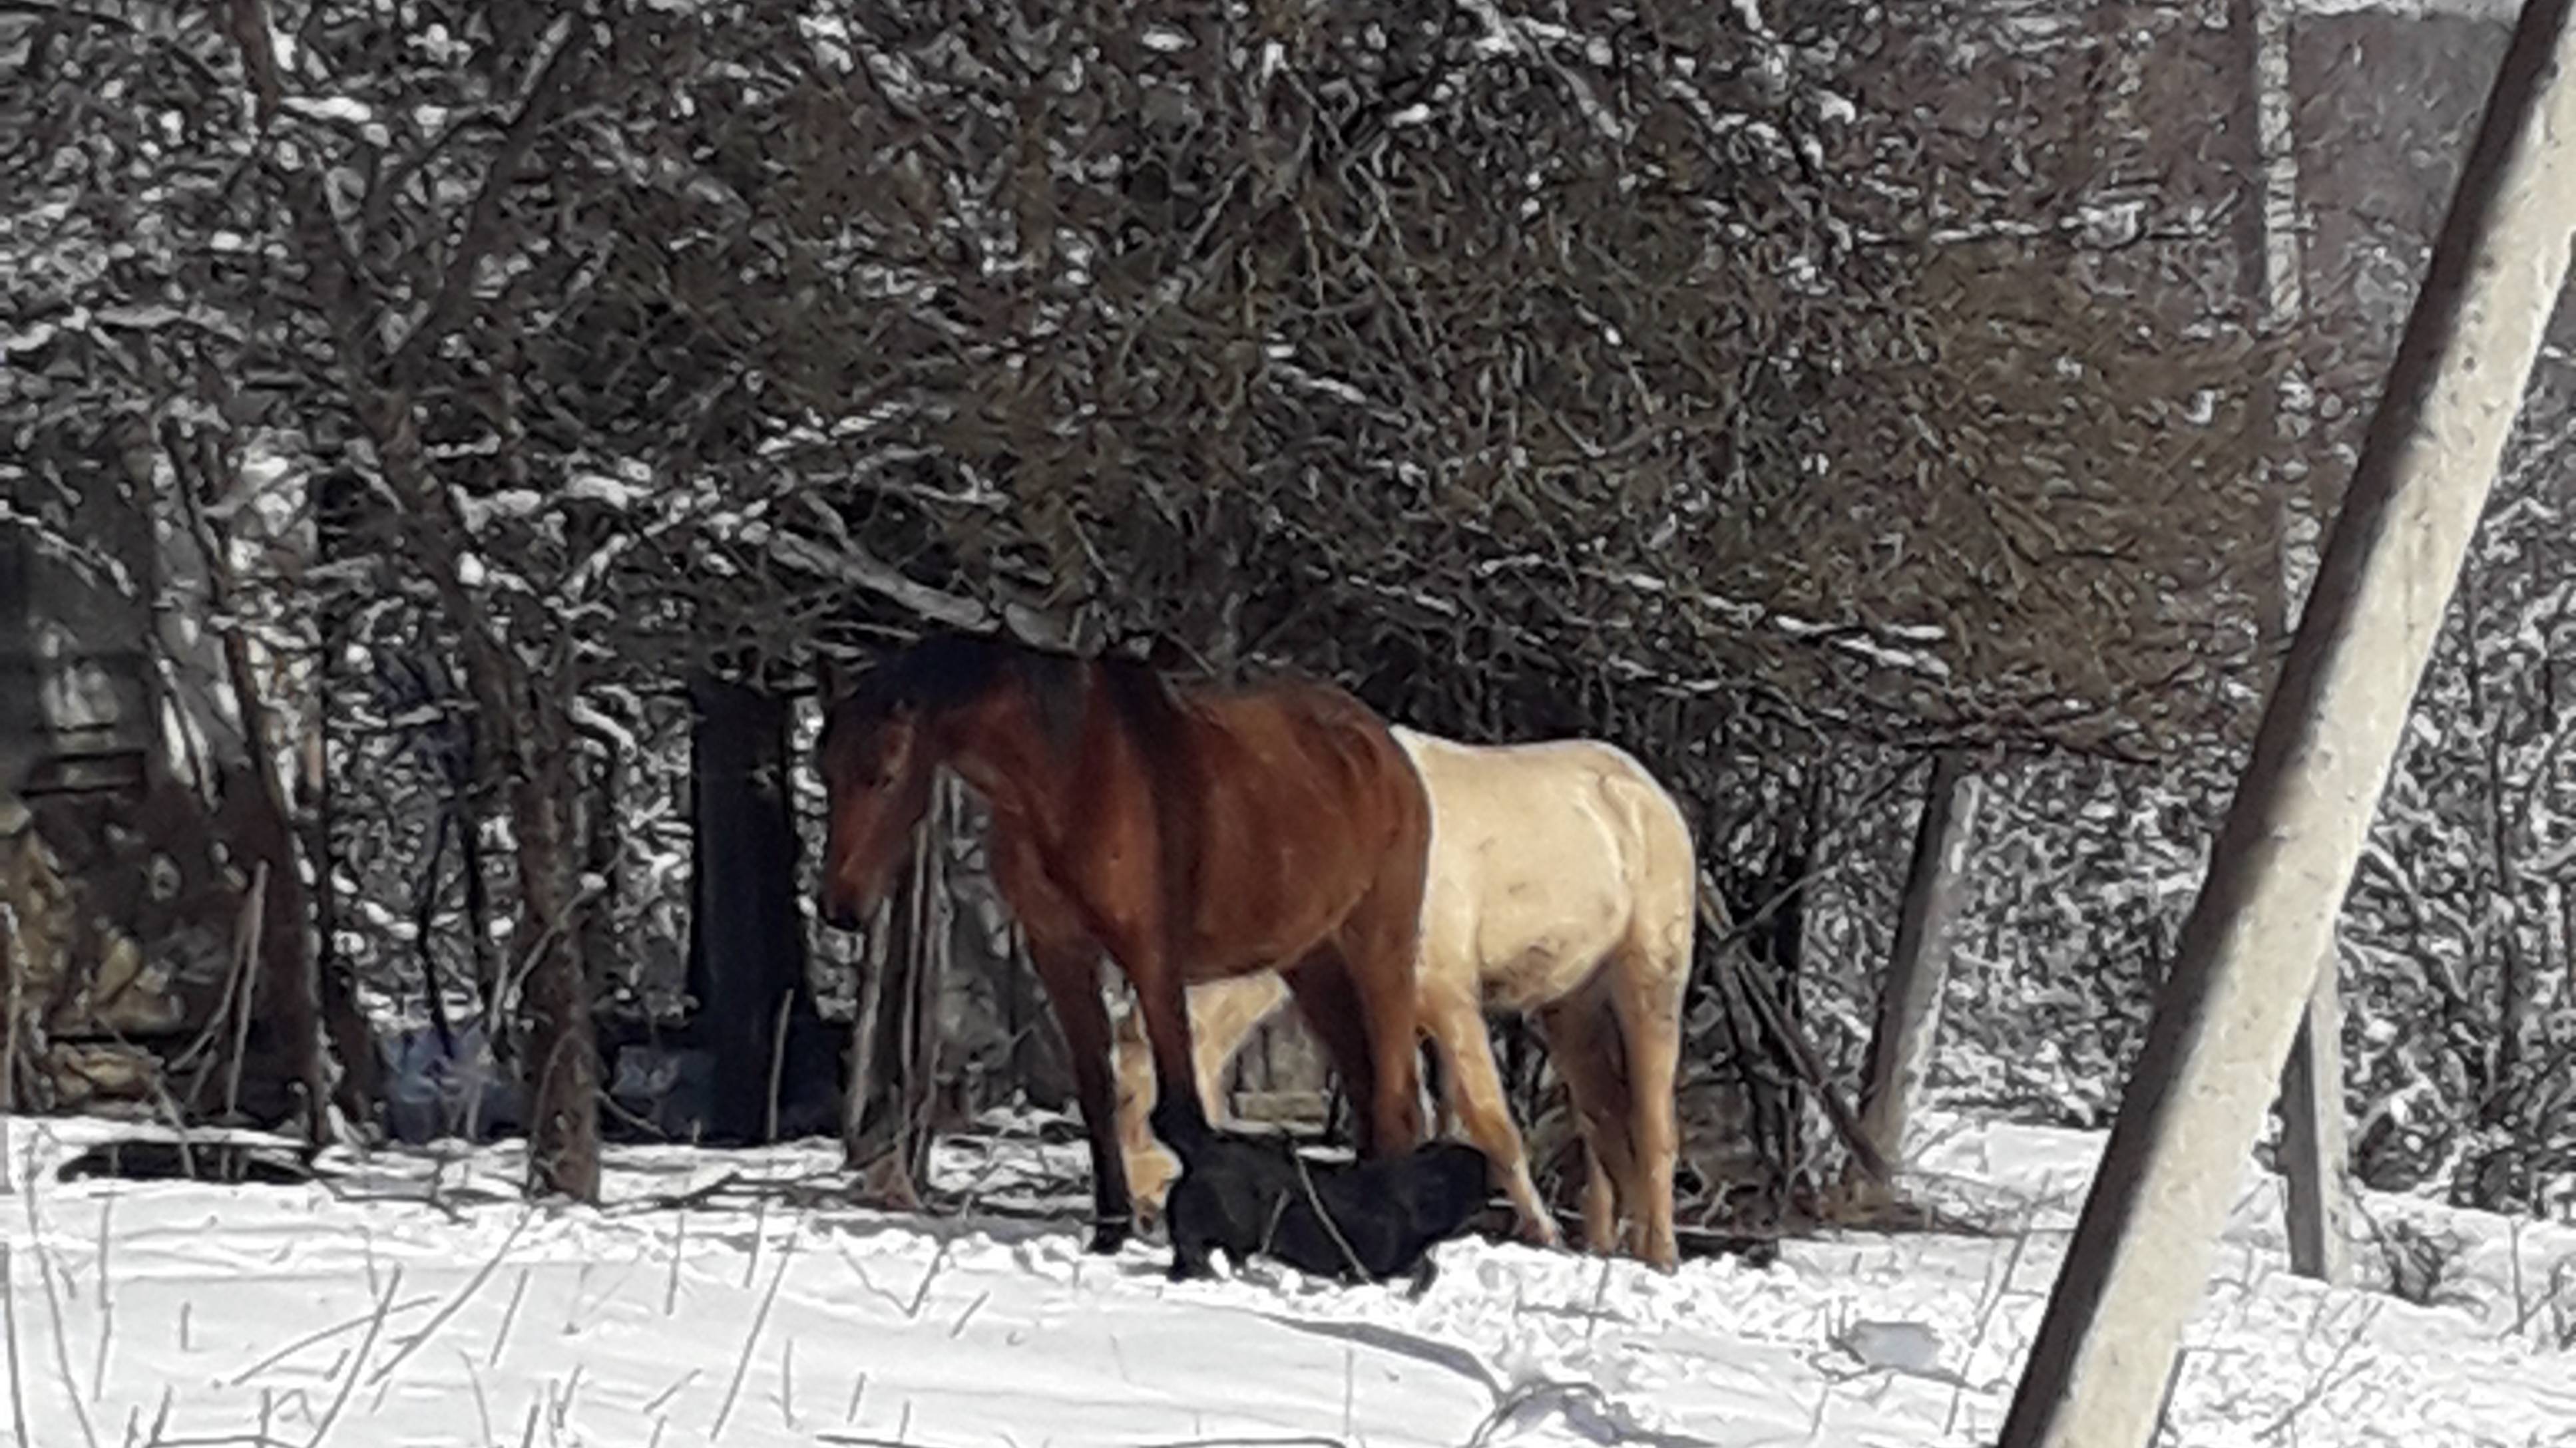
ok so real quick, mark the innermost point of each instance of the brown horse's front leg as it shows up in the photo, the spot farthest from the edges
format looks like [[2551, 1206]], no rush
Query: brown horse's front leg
[[1180, 1114], [1071, 975]]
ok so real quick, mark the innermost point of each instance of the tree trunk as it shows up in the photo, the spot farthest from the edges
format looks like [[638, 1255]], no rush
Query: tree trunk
[[2313, 1156], [523, 727], [563, 1054], [255, 803], [746, 937], [2138, 1265]]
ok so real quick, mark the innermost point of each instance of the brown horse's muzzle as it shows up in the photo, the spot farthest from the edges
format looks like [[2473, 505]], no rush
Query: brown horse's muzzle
[[846, 901], [851, 890]]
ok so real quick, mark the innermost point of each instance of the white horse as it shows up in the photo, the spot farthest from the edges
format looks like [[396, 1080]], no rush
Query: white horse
[[1560, 886]]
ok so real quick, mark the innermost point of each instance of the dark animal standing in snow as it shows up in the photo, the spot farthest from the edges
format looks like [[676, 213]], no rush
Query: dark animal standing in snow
[[1362, 1221], [1194, 835]]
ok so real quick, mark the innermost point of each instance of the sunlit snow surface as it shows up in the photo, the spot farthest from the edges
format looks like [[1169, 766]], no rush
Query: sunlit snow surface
[[415, 1300]]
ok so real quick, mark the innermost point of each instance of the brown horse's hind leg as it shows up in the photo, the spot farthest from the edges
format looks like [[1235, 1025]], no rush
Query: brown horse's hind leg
[[1457, 1030], [1378, 959], [1071, 976], [1322, 987]]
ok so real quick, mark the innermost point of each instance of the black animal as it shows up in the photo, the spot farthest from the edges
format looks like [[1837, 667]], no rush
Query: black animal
[[1356, 1221]]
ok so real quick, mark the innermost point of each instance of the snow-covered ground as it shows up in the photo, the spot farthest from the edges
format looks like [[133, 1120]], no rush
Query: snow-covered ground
[[415, 1300]]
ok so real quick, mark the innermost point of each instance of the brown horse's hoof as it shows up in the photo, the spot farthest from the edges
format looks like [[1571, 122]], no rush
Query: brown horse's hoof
[[1108, 1237]]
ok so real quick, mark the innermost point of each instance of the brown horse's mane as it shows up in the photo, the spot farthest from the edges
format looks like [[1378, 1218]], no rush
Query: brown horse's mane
[[945, 670]]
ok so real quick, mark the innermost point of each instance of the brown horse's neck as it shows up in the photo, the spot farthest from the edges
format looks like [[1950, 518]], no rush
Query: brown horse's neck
[[1008, 749]]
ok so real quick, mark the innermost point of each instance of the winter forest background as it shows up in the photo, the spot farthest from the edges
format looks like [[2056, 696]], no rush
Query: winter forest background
[[515, 401]]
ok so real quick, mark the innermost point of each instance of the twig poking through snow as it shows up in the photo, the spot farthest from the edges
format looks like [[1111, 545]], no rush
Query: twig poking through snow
[[930, 1274], [759, 1230], [1987, 1301], [318, 1334], [375, 1325], [1350, 1386], [463, 1295], [509, 1315], [54, 1306], [161, 1414], [667, 1394], [787, 1384], [559, 1410], [17, 1375], [679, 1245], [2338, 1369], [106, 1304], [751, 1339], [482, 1404]]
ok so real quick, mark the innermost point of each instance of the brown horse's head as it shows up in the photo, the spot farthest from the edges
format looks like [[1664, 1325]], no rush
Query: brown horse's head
[[882, 744], [876, 759]]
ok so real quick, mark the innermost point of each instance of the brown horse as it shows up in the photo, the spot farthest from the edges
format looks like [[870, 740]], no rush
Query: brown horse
[[1192, 835]]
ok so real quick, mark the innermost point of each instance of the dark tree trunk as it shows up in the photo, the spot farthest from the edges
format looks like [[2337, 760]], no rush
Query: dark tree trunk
[[746, 939], [352, 1039], [599, 849]]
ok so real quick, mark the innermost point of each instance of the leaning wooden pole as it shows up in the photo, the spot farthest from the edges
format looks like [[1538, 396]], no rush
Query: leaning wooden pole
[[2140, 1259]]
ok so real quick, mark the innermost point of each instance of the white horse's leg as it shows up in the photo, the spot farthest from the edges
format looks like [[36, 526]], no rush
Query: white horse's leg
[[1647, 984], [1584, 1045], [1600, 1207], [1475, 1093]]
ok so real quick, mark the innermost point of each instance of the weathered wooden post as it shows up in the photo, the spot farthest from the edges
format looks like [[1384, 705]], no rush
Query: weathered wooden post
[[1909, 1003], [2277, 875]]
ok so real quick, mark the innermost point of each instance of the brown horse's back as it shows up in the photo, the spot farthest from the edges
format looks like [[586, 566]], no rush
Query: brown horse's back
[[1311, 806]]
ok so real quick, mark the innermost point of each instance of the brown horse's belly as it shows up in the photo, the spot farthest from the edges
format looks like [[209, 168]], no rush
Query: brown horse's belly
[[1246, 924]]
